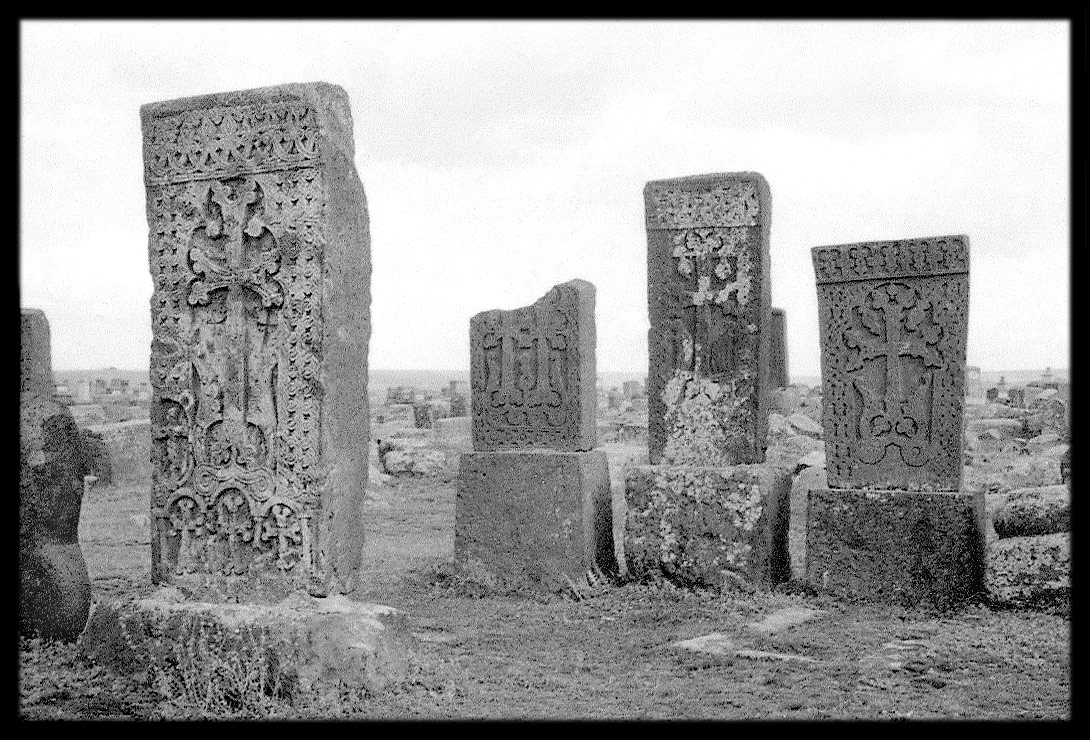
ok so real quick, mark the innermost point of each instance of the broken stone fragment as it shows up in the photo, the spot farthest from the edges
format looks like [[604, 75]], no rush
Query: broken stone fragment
[[306, 645], [1034, 511], [1030, 572]]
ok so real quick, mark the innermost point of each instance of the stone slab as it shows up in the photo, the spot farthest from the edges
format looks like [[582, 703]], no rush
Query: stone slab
[[538, 519], [777, 374], [307, 645], [54, 588], [708, 298], [1030, 572], [259, 252], [785, 618], [806, 480], [706, 526], [897, 547], [893, 317], [1034, 511], [533, 373]]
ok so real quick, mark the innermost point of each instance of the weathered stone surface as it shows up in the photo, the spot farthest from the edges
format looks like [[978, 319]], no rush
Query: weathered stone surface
[[534, 518], [128, 446], [708, 294], [786, 400], [54, 589], [901, 547], [1030, 572], [417, 460], [805, 425], [703, 525], [808, 479], [456, 431], [303, 644], [1034, 511], [1003, 428], [260, 254], [785, 618], [533, 373], [893, 319], [777, 375]]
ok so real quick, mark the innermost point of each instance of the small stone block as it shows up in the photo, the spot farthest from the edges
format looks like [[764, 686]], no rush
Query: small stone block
[[1035, 511], [1030, 571], [699, 525], [535, 518], [898, 547]]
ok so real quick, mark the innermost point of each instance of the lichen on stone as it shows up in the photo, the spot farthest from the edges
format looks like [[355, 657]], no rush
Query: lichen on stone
[[705, 421]]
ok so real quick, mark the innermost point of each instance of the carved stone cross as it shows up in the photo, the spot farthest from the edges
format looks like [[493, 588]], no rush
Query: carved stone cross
[[225, 262], [897, 326]]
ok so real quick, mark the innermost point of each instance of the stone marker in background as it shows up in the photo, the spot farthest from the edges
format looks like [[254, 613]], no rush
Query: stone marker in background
[[894, 524], [54, 589], [533, 373], [260, 257], [777, 373], [974, 387], [533, 505], [708, 511], [708, 295]]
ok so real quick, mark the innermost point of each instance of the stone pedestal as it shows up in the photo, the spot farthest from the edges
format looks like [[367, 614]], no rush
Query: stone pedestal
[[901, 547], [702, 525], [534, 518]]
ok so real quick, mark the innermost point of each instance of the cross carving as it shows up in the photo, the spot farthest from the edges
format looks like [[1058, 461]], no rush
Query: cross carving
[[895, 325], [224, 262]]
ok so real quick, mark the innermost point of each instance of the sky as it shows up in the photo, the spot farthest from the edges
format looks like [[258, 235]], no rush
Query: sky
[[500, 158]]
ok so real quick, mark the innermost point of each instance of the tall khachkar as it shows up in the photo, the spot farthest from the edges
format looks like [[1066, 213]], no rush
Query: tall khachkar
[[708, 295], [708, 510], [260, 256], [533, 504], [894, 524]]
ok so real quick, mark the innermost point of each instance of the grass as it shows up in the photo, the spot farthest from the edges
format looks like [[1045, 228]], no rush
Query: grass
[[595, 652]]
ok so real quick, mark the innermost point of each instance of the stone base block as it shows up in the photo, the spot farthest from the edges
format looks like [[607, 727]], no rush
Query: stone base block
[[1035, 511], [534, 518], [1030, 572], [703, 525], [898, 547], [302, 647]]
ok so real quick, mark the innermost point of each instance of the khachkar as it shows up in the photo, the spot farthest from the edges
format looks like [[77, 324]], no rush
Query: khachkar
[[777, 374], [533, 505], [894, 524], [708, 510], [54, 589], [260, 257]]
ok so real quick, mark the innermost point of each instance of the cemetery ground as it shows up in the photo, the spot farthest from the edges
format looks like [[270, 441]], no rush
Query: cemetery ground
[[600, 651]]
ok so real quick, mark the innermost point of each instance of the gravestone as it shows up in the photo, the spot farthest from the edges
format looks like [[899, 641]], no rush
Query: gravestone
[[778, 349], [708, 511], [54, 588], [533, 372], [260, 257], [974, 387], [992, 395], [708, 295], [533, 505], [1016, 397], [893, 524]]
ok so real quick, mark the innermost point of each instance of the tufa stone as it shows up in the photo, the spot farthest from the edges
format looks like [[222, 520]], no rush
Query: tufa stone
[[259, 252]]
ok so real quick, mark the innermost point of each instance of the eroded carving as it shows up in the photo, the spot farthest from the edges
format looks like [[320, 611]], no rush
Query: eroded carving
[[708, 299]]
